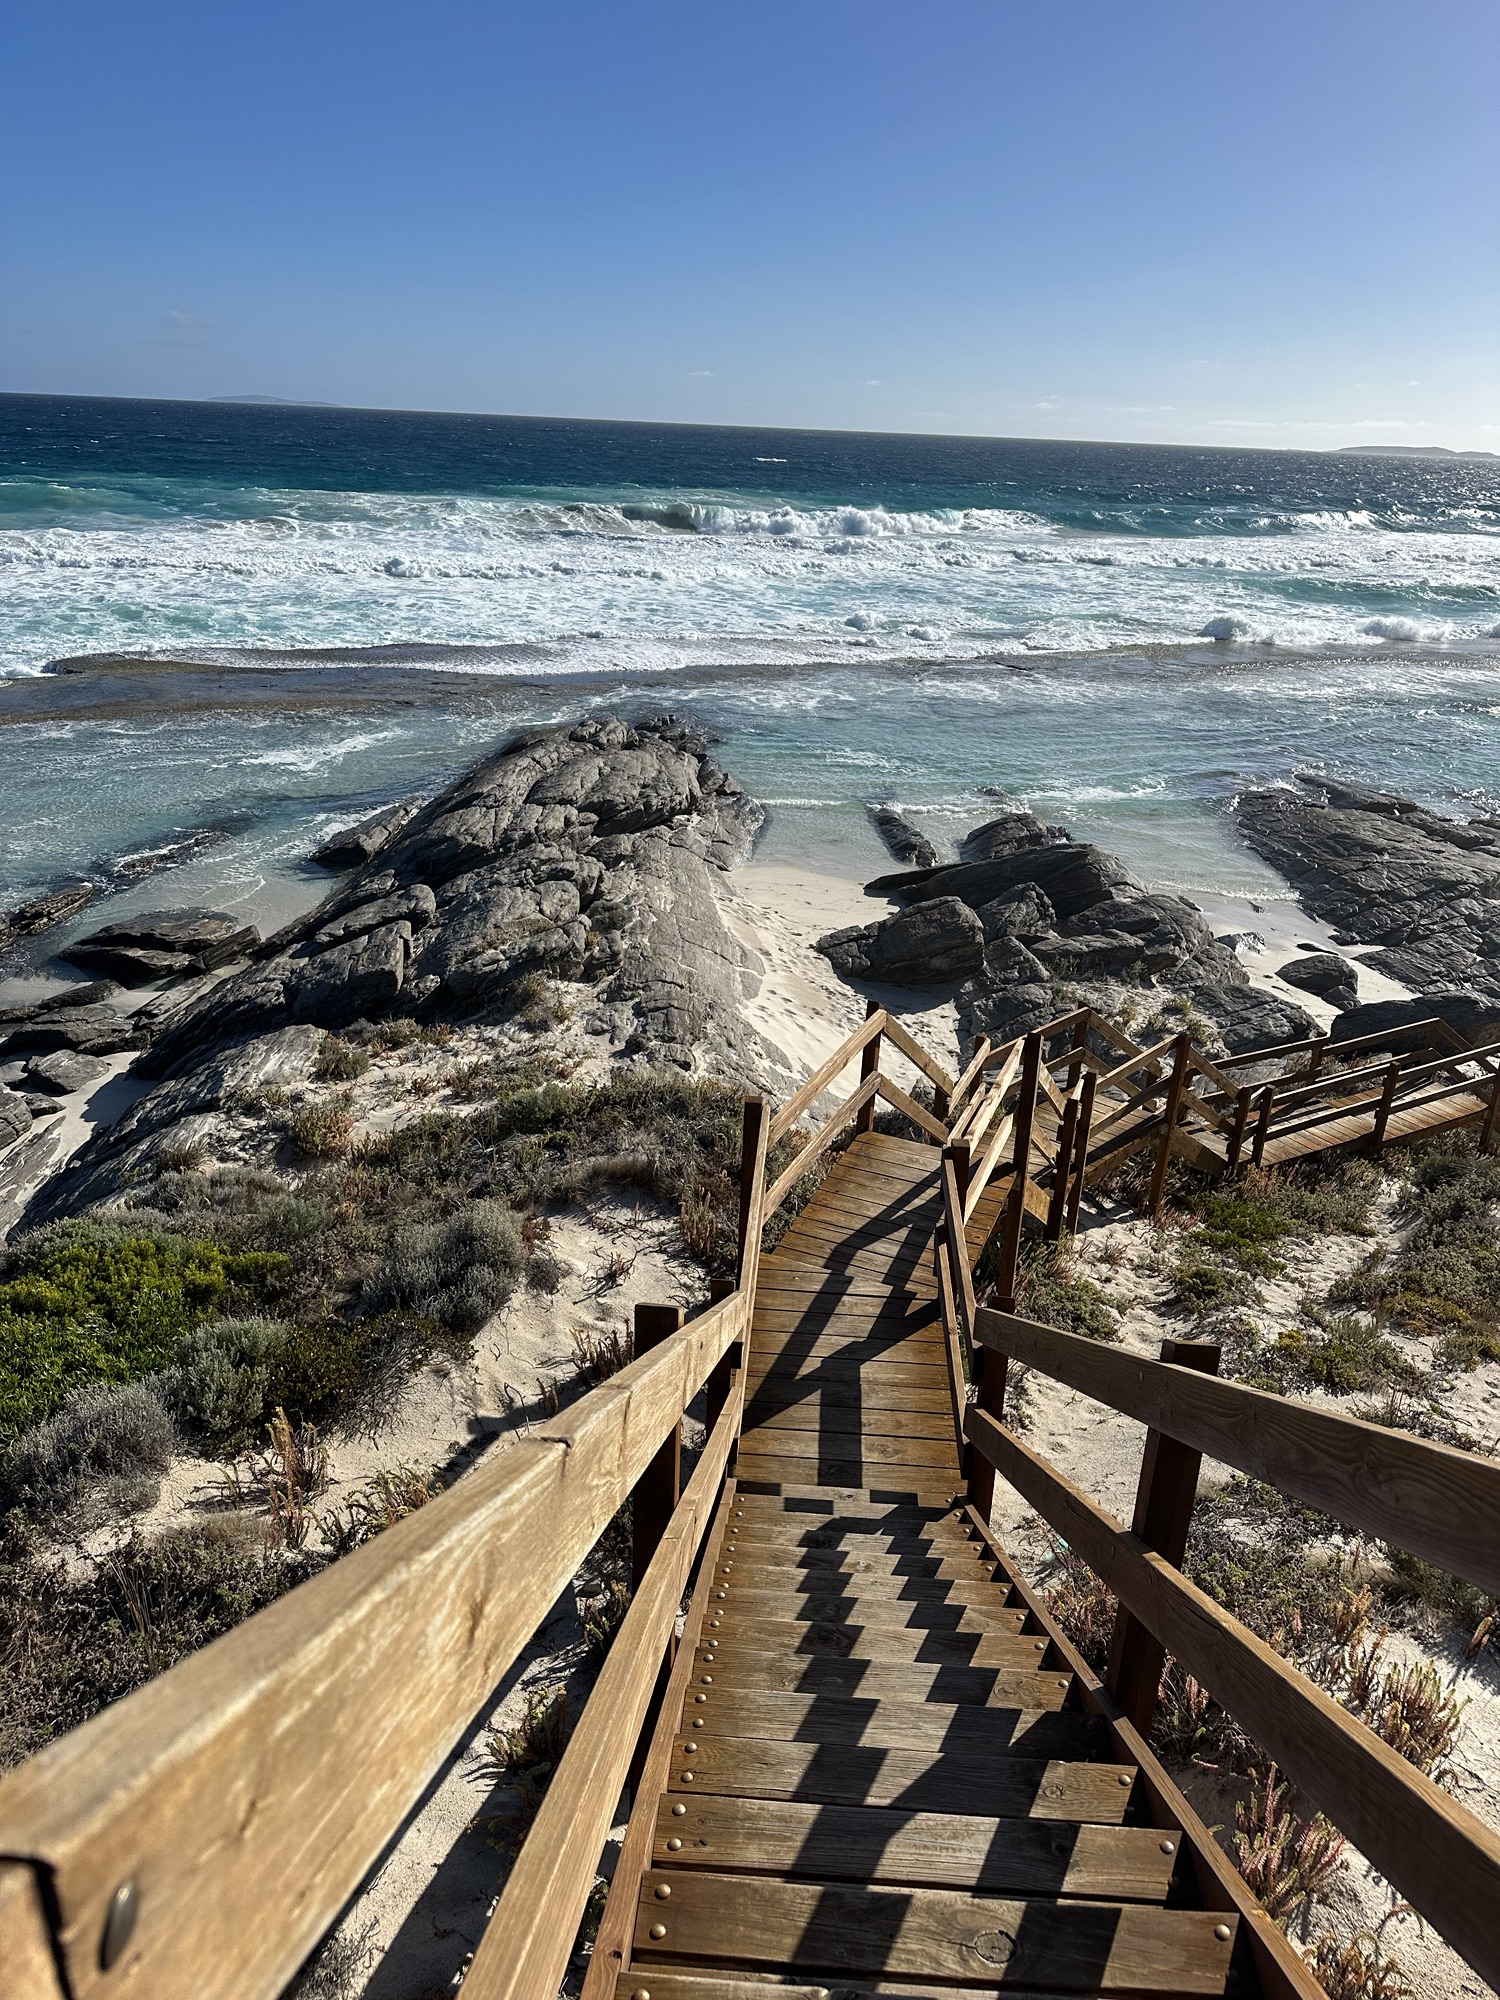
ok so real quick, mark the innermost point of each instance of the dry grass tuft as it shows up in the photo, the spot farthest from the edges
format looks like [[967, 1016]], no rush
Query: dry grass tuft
[[1288, 1862]]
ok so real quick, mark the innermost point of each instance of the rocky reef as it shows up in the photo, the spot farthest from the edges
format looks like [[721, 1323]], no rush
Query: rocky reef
[[1028, 915], [571, 871]]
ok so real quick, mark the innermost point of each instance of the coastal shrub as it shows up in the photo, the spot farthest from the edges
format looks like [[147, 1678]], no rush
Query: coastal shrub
[[1340, 1352], [74, 1641], [92, 1301], [1412, 1582], [1443, 1281], [218, 1388], [1204, 1286], [1050, 1288], [322, 1129], [457, 1272], [1082, 1603], [1288, 1862], [109, 1440], [340, 1062]]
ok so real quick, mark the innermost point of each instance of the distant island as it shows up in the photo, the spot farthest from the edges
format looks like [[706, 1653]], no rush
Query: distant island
[[279, 402], [1389, 450]]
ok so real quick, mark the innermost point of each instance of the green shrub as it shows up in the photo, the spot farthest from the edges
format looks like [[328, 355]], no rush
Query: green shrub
[[457, 1272], [340, 1062], [72, 1642], [116, 1435], [1341, 1353], [319, 1130], [218, 1389], [94, 1301], [1203, 1286], [1050, 1289]]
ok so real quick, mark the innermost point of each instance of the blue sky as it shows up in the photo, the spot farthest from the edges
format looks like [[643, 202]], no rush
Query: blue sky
[[1264, 223]]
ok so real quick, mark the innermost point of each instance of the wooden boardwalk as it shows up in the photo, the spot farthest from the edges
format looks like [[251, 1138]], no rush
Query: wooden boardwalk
[[865, 1762], [880, 1766]]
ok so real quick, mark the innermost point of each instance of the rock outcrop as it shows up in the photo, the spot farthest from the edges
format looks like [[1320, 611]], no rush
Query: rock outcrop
[[582, 856], [904, 841], [40, 913], [163, 944], [1057, 915], [1383, 870], [1332, 978], [356, 845]]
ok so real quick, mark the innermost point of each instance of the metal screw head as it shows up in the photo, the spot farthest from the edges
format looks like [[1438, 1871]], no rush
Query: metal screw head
[[663, 1890], [673, 1845], [641, 1993], [707, 1679], [658, 1930], [119, 1924], [1125, 1778], [687, 1777], [700, 1697], [1223, 1933], [1169, 1847], [690, 1748], [678, 1811]]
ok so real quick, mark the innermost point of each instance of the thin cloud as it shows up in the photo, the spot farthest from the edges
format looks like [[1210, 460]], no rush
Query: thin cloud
[[181, 328], [701, 374]]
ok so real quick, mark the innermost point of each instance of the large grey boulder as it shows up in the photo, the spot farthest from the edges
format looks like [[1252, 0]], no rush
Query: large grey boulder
[[1473, 1017], [931, 944], [904, 841], [353, 846], [1073, 875], [63, 1072], [40, 913], [576, 853], [163, 944], [1023, 913], [1008, 995], [1332, 978], [1008, 833], [1383, 870], [15, 1118], [93, 1030]]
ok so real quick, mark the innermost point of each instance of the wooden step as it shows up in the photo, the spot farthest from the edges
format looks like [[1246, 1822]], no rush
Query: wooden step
[[879, 1642], [924, 1608], [775, 1391], [927, 1781], [746, 1666], [808, 1414], [893, 1725], [938, 1934], [786, 1838], [819, 1447]]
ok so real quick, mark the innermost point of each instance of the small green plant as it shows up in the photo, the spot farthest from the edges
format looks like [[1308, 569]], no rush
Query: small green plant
[[388, 1498], [1082, 1604], [1443, 1596], [1343, 1352], [457, 1272], [1204, 1287], [1050, 1288], [340, 1061], [527, 1755], [601, 1351], [1287, 1862], [322, 1130], [109, 1439], [603, 1614], [1361, 1968], [293, 1471]]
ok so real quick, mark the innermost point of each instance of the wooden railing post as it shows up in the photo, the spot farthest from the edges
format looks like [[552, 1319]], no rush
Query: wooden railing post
[[1062, 1171], [1315, 1058], [1263, 1124], [1080, 1043], [660, 1485], [1163, 1515], [1081, 1151], [1181, 1056], [1487, 1130], [752, 1170], [1236, 1145], [869, 1065], [1387, 1099], [1015, 1213], [652, 1506], [720, 1381]]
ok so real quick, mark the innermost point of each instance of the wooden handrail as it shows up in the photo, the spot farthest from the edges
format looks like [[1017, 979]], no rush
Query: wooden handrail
[[1431, 1499], [526, 1946], [915, 1054], [819, 1143], [1376, 1038], [923, 1119], [969, 1078], [980, 1178], [1444, 1860], [824, 1074], [247, 1743], [1156, 1054], [984, 1109]]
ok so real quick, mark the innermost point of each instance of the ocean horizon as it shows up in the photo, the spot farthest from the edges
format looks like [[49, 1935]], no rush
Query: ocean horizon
[[1121, 636]]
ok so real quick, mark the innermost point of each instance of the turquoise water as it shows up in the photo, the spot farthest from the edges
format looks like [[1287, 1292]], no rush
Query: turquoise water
[[1123, 636]]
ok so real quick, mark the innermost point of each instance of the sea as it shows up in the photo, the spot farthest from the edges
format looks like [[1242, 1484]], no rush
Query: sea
[[278, 618]]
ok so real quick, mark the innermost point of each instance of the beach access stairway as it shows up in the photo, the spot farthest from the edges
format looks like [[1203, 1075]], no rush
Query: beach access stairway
[[861, 1755]]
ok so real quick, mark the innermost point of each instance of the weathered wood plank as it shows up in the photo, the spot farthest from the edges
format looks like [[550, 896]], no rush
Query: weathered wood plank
[[736, 1609], [743, 1666], [616, 1927], [937, 1934], [247, 1742], [819, 1143], [786, 1838], [893, 1725], [25, 1940], [831, 1371], [920, 1481], [877, 1642], [817, 1445], [1444, 1860], [754, 1560], [924, 1780], [525, 1947], [831, 1401], [806, 1416], [1438, 1502]]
